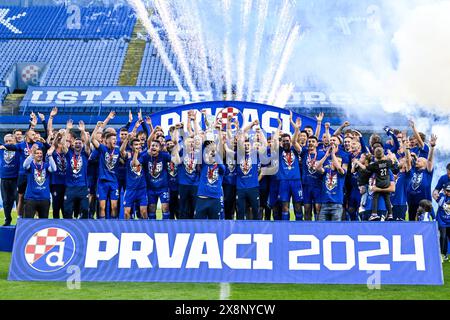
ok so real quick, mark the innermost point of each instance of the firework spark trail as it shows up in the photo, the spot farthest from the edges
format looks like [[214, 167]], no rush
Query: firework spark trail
[[263, 9], [226, 5], [171, 29], [284, 94], [142, 13], [279, 42], [242, 49], [287, 52], [191, 25]]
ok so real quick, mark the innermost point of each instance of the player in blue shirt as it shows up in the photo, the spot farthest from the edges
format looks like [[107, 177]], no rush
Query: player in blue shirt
[[173, 183], [23, 149], [443, 219], [247, 171], [156, 172], [77, 193], [188, 160], [417, 142], [442, 182], [333, 169], [419, 187], [58, 178], [208, 204], [37, 194], [402, 178], [136, 185], [312, 180], [107, 180], [289, 171], [9, 171]]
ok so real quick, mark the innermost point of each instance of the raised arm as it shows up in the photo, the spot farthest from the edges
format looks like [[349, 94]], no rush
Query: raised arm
[[110, 116], [123, 148], [44, 124], [297, 125], [51, 161], [342, 127], [340, 168], [319, 164], [94, 140], [53, 114], [319, 119], [416, 134], [430, 161]]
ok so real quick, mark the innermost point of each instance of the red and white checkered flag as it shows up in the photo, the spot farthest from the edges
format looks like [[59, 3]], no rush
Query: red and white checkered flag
[[42, 242], [225, 112]]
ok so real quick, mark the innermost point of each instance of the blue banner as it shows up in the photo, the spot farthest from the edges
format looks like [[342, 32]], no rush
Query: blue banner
[[227, 251], [123, 96]]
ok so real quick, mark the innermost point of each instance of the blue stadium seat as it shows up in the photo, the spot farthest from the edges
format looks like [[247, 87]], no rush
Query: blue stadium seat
[[51, 22]]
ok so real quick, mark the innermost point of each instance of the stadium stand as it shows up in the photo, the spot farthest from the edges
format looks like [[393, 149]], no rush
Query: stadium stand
[[70, 62], [3, 93], [153, 72], [58, 22]]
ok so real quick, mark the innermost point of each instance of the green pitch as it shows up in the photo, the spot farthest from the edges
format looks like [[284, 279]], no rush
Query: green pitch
[[211, 291]]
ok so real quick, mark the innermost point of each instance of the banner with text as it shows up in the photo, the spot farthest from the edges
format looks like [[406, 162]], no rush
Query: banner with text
[[227, 251], [166, 97]]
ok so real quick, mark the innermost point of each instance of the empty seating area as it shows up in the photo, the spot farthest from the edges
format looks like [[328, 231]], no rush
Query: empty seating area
[[69, 62], [153, 72], [72, 22]]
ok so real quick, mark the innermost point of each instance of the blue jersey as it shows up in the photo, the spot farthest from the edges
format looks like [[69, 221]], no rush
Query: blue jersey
[[421, 152], [399, 197], [188, 170], [442, 182], [59, 176], [289, 165], [38, 182], [381, 203], [211, 178], [93, 165], [156, 170], [135, 175], [443, 214], [419, 186], [172, 169], [24, 150], [77, 167], [108, 162], [230, 172], [333, 184], [310, 177], [9, 164], [247, 171]]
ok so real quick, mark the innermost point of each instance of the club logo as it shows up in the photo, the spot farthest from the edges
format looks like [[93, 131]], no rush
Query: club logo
[[8, 156], [173, 170], [330, 180], [289, 158], [190, 164], [246, 165], [416, 180], [446, 208], [50, 249], [39, 176], [311, 163], [30, 73], [137, 170], [155, 169], [76, 167], [213, 174], [111, 161]]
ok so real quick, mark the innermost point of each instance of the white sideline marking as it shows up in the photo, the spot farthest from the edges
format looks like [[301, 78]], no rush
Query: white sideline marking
[[224, 291]]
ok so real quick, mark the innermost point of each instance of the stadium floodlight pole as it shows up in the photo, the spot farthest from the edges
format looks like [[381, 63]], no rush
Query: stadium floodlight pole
[[142, 13]]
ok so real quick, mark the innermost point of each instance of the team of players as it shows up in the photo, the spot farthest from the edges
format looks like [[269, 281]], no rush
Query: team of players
[[219, 173]]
